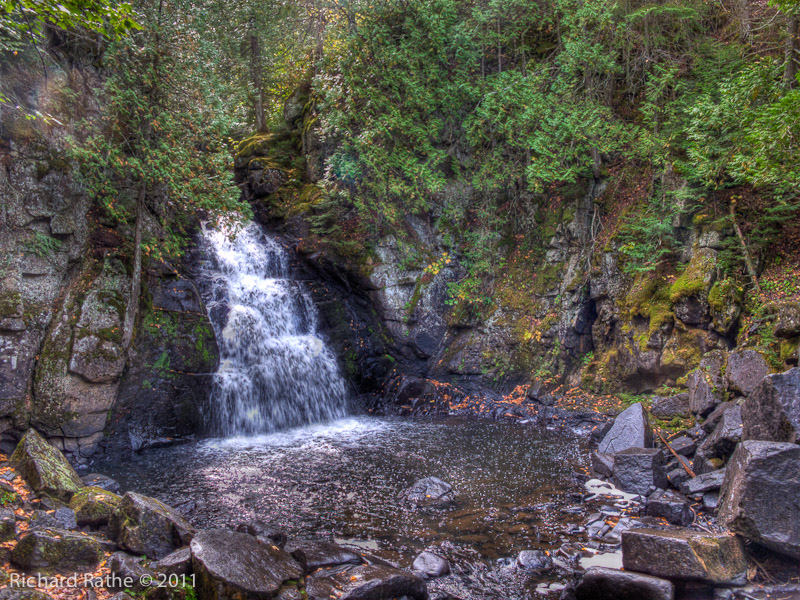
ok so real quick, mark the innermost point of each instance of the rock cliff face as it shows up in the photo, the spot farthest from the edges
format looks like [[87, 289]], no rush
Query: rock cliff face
[[64, 288], [563, 310]]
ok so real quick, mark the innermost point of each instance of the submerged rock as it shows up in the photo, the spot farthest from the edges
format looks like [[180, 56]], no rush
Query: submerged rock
[[57, 550], [631, 429], [533, 560], [759, 499], [772, 411], [430, 492], [716, 558], [314, 554], [143, 525], [231, 564], [44, 467], [370, 582], [601, 583]]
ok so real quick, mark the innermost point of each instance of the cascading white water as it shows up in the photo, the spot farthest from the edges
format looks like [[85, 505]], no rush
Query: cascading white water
[[274, 371]]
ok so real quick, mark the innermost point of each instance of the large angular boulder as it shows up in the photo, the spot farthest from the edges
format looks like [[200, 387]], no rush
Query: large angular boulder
[[670, 406], [631, 429], [601, 583], [636, 470], [788, 325], [131, 573], [44, 467], [707, 482], [177, 563], [745, 370], [430, 492], [721, 442], [52, 550], [231, 564], [143, 525], [772, 411], [715, 416], [368, 582], [94, 506], [670, 506], [60, 518], [759, 498], [705, 383], [716, 558]]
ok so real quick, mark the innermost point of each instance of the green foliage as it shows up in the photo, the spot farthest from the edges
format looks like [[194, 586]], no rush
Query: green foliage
[[7, 497], [42, 245]]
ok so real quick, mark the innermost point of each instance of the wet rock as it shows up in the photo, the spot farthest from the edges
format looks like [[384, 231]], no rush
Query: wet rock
[[94, 506], [101, 481], [722, 441], [431, 565], [772, 411], [57, 550], [715, 416], [600, 583], [745, 370], [631, 429], [129, 570], [177, 563], [603, 464], [670, 506], [8, 525], [671, 406], [143, 525], [45, 468], [677, 476], [231, 564], [759, 499], [264, 532], [711, 501], [685, 554], [637, 469], [533, 560], [367, 583], [313, 554], [705, 383], [60, 518], [706, 482], [430, 492]]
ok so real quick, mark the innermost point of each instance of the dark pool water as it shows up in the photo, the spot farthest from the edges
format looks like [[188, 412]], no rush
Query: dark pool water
[[343, 480]]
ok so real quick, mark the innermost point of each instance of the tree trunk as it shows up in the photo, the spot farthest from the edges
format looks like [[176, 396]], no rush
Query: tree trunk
[[258, 86], [743, 13], [792, 52], [751, 270], [132, 309]]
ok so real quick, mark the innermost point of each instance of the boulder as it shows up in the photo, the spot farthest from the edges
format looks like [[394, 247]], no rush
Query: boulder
[[670, 406], [772, 411], [705, 383], [684, 445], [231, 564], [788, 325], [603, 464], [715, 416], [102, 481], [722, 441], [631, 429], [369, 582], [143, 525], [430, 492], [637, 469], [745, 370], [759, 499], [601, 583], [177, 563], [94, 506], [60, 518], [431, 565], [670, 506], [677, 476], [716, 558], [57, 550], [8, 525], [45, 468], [264, 532], [315, 554], [707, 482], [129, 570]]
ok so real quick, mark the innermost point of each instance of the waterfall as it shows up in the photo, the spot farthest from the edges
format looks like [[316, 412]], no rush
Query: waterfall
[[275, 371]]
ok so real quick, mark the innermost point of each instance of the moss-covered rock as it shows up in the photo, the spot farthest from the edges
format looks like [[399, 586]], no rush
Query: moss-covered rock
[[94, 506], [143, 525], [57, 550], [45, 468]]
